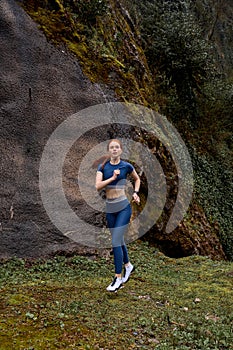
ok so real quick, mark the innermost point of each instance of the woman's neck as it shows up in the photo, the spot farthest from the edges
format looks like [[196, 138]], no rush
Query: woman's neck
[[115, 161]]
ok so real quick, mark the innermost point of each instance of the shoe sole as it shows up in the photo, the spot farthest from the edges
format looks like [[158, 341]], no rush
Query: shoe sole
[[122, 286], [116, 290]]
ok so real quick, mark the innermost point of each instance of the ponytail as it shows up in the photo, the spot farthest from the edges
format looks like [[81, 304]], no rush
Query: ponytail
[[103, 160]]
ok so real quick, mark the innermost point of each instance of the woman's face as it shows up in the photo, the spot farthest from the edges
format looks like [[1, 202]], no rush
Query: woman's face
[[114, 149]]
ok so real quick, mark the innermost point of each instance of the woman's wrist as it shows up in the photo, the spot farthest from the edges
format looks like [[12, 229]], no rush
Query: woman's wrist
[[136, 197]]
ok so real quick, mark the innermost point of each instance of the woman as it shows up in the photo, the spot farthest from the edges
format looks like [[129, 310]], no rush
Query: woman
[[111, 175]]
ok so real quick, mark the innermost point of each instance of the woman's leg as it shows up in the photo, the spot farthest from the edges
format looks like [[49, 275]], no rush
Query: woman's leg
[[118, 224], [125, 254], [117, 251], [122, 221], [118, 243]]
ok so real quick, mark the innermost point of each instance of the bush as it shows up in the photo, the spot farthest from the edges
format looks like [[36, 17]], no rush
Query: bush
[[87, 10], [214, 191]]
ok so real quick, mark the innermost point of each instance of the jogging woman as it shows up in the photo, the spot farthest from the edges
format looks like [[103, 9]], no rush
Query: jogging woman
[[111, 175]]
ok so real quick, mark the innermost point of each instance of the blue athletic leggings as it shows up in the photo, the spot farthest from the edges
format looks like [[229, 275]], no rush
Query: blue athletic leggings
[[118, 217]]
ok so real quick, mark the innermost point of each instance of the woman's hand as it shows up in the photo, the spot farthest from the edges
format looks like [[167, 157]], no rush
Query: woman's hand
[[116, 172], [100, 183], [136, 198]]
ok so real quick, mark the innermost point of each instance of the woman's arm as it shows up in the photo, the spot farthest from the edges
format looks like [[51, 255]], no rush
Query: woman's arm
[[137, 183], [100, 183]]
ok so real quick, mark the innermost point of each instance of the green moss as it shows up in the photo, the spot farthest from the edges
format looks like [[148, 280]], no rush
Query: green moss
[[62, 303], [105, 51], [18, 299]]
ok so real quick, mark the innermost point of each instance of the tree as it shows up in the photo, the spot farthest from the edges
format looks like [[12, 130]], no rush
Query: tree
[[176, 49]]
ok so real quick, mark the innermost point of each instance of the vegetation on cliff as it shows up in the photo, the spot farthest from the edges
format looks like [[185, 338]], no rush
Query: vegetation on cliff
[[187, 48], [108, 50]]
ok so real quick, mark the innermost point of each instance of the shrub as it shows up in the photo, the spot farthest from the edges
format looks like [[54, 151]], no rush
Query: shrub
[[87, 10]]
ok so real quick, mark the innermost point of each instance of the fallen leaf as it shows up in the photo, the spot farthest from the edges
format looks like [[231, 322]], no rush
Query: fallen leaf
[[197, 300], [212, 317], [209, 333], [159, 304], [153, 340], [177, 324], [147, 297]]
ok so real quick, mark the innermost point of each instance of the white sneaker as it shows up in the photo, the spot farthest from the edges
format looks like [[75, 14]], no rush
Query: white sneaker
[[115, 285], [127, 271]]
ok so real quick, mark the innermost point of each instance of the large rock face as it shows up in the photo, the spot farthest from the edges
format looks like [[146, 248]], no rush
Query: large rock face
[[40, 87]]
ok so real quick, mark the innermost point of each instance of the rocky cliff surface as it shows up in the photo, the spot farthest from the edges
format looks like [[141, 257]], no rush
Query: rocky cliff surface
[[41, 85]]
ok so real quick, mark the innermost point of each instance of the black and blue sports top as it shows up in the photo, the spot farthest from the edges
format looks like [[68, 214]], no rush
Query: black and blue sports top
[[125, 169]]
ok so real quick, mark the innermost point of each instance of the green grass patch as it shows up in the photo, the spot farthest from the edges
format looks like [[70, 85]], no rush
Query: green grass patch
[[167, 304]]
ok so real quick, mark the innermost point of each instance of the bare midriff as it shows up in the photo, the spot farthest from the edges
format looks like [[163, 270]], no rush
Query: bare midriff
[[112, 193]]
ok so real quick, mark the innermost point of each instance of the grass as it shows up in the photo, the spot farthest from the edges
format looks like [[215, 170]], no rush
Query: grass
[[62, 303]]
